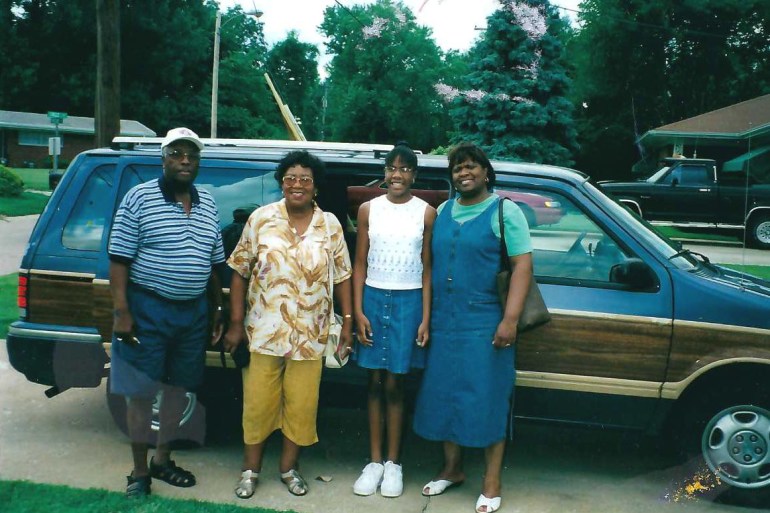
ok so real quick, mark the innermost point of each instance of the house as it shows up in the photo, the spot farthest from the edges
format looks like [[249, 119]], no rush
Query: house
[[737, 137], [24, 137]]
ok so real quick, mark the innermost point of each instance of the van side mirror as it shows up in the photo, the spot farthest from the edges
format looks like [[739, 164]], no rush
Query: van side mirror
[[635, 274], [674, 182]]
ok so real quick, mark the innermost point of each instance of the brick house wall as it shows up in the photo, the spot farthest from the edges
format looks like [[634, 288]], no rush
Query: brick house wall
[[18, 154]]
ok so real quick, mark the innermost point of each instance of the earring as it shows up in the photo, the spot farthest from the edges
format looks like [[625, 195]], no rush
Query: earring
[[486, 180]]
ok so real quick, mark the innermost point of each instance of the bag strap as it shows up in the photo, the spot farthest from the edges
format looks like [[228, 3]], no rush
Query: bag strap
[[331, 260], [505, 263]]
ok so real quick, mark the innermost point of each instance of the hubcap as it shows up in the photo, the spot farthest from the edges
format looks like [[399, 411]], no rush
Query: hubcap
[[763, 232], [191, 402], [735, 446]]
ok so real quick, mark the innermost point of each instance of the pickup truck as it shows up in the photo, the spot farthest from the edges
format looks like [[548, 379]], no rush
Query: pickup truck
[[691, 193]]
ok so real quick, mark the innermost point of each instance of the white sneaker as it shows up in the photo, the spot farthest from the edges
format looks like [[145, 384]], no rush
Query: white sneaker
[[369, 480], [393, 480]]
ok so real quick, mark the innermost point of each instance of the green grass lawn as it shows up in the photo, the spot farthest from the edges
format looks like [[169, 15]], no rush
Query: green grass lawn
[[33, 178], [756, 270], [26, 497], [26, 204], [9, 312]]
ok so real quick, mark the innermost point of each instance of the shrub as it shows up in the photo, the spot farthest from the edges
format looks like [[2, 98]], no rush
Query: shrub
[[10, 183]]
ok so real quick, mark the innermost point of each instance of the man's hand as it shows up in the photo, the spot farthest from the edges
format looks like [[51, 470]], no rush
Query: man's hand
[[217, 326], [123, 326]]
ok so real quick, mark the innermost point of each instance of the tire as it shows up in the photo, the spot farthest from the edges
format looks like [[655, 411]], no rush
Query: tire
[[759, 231], [730, 437], [192, 426]]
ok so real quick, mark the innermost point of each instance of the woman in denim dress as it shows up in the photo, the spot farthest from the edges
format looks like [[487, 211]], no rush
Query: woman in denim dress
[[464, 400]]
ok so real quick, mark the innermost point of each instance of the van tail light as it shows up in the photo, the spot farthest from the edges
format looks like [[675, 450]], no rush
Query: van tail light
[[21, 297]]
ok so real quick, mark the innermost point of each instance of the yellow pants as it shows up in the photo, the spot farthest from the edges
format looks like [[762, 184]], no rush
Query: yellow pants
[[279, 393]]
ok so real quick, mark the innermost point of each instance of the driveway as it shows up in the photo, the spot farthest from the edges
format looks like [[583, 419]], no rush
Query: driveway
[[71, 440]]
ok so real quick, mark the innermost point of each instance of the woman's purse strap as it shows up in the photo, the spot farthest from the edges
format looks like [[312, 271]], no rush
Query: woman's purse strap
[[505, 263]]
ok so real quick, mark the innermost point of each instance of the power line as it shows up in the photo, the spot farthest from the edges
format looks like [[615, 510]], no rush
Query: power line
[[350, 13]]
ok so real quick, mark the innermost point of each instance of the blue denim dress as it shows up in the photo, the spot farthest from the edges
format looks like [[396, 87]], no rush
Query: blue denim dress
[[467, 385]]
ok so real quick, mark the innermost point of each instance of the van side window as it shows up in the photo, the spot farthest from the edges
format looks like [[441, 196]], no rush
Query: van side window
[[234, 189], [85, 226], [566, 243]]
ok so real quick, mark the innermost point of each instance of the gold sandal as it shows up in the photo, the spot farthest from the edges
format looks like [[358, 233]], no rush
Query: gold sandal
[[296, 484], [247, 484]]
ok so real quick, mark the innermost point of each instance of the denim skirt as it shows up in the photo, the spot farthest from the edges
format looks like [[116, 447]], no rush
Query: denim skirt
[[394, 316]]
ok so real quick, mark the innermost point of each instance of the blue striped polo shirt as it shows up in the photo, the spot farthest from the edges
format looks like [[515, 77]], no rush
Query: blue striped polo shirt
[[170, 253]]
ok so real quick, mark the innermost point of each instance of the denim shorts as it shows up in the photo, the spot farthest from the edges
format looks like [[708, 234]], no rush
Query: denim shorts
[[394, 316], [172, 348]]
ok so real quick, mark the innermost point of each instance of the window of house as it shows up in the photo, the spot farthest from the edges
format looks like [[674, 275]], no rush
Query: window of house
[[34, 138]]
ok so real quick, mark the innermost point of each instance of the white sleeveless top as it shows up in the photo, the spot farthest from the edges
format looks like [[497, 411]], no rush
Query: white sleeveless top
[[395, 244]]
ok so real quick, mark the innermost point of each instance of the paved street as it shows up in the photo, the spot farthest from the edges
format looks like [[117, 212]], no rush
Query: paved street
[[14, 234]]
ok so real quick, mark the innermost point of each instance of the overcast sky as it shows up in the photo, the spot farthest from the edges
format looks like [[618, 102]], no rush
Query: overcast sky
[[453, 21]]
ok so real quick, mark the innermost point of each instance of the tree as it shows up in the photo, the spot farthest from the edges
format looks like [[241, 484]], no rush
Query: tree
[[166, 62], [382, 76], [293, 67], [641, 64], [514, 101]]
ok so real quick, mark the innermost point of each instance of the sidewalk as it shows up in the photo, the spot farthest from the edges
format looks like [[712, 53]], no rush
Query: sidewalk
[[14, 234]]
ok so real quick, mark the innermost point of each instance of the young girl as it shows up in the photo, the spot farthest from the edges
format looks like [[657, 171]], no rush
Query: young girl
[[391, 294]]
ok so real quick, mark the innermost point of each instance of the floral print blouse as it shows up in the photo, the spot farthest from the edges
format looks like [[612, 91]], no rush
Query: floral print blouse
[[288, 295]]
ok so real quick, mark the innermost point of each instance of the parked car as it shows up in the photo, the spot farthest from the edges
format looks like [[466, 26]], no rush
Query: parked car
[[538, 209], [645, 336], [691, 193]]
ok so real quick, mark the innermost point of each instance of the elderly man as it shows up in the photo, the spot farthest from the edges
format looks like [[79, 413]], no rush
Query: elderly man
[[164, 245]]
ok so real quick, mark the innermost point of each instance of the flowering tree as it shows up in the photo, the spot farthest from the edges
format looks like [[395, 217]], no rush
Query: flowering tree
[[514, 103], [380, 85]]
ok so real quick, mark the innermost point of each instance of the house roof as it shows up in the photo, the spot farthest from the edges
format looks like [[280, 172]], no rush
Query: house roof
[[70, 125], [741, 121]]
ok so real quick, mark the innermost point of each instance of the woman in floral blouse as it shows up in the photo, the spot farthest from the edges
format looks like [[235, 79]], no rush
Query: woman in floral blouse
[[281, 276]]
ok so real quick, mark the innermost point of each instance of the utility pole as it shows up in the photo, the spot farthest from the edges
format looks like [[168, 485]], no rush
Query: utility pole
[[107, 108]]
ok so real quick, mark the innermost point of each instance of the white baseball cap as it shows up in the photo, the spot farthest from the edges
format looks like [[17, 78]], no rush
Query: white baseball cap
[[181, 134]]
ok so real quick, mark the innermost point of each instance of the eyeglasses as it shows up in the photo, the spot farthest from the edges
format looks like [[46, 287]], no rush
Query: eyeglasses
[[401, 169], [292, 179], [179, 155]]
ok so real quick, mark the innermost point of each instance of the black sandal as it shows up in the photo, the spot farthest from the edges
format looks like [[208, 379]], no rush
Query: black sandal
[[138, 487], [171, 474]]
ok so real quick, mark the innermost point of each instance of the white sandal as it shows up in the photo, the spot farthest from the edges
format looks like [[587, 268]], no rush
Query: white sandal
[[438, 486], [491, 503], [296, 484], [247, 484]]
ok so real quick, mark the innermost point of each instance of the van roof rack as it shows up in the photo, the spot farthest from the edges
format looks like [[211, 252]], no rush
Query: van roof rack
[[377, 150]]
